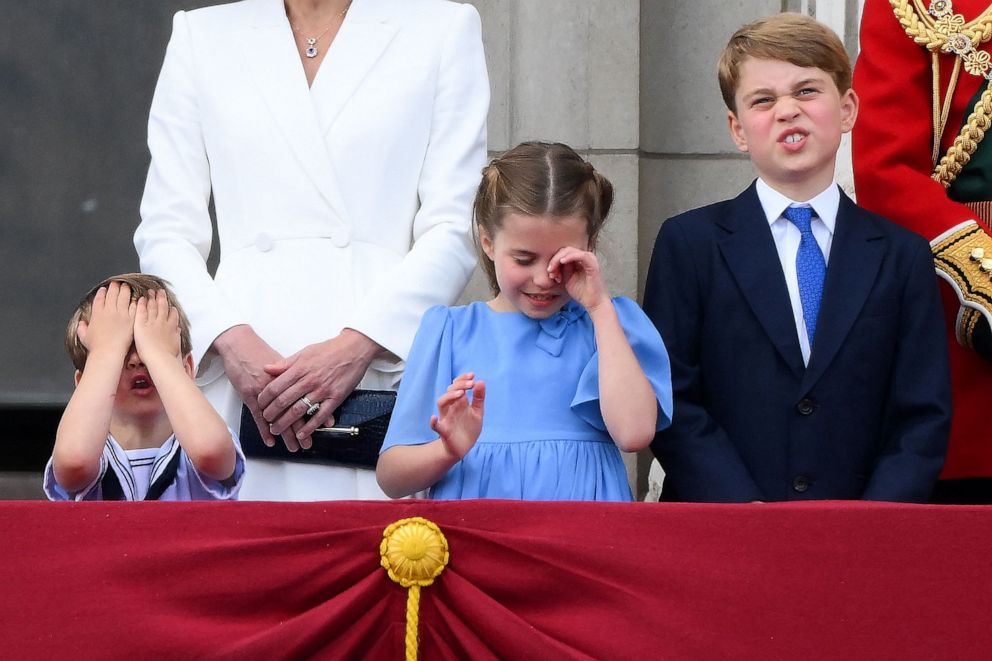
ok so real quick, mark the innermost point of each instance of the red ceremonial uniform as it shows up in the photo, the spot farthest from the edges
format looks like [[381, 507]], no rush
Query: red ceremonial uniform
[[893, 162]]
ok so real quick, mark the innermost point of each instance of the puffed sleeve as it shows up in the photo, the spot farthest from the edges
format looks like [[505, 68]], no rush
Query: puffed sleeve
[[427, 376], [651, 354], [441, 260]]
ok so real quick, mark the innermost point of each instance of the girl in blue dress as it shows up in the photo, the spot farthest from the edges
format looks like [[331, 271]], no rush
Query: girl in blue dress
[[531, 395]]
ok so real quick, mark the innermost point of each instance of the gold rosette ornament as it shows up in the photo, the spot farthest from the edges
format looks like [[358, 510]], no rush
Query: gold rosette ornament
[[414, 552]]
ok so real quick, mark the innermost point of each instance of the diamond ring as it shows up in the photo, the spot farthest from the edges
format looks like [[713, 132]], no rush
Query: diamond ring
[[312, 407]]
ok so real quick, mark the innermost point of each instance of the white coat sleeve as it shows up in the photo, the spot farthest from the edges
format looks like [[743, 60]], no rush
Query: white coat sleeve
[[174, 237], [442, 258]]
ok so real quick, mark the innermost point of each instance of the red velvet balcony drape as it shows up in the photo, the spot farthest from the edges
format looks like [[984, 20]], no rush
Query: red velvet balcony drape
[[525, 581]]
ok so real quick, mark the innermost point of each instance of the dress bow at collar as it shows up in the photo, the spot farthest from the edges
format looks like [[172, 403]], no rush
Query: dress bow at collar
[[552, 336]]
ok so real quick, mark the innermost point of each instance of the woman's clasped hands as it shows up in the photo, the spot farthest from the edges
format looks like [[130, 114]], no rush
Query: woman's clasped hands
[[308, 386]]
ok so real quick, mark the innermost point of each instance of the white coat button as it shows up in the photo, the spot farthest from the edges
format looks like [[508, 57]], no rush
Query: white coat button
[[341, 237], [264, 242]]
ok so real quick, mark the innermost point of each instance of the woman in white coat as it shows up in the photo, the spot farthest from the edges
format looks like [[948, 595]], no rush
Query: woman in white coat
[[342, 143]]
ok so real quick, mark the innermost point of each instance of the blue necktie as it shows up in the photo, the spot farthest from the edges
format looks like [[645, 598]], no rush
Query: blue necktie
[[811, 268]]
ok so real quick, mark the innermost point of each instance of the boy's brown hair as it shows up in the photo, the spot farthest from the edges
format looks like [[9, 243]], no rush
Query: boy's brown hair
[[539, 179], [141, 284], [787, 37]]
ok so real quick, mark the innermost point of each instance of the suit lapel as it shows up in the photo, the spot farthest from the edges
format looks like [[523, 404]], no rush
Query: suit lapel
[[855, 258], [275, 66], [749, 250], [355, 50]]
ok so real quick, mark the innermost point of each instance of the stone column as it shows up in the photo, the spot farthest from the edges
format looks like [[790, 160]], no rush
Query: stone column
[[567, 71]]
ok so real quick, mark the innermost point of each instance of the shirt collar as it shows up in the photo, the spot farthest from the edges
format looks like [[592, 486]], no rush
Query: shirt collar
[[117, 460], [824, 205]]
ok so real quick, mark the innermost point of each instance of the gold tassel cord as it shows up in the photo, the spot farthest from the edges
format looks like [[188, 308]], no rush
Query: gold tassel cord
[[412, 639], [941, 109], [413, 552]]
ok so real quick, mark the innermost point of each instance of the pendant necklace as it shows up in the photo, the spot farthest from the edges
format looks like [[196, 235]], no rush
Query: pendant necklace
[[311, 49]]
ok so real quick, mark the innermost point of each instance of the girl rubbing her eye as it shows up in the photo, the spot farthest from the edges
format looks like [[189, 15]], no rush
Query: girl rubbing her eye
[[533, 394]]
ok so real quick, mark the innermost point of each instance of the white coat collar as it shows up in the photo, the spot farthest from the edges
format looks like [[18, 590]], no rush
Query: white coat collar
[[274, 63]]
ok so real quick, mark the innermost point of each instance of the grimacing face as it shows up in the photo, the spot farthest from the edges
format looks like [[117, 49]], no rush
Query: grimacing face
[[790, 120]]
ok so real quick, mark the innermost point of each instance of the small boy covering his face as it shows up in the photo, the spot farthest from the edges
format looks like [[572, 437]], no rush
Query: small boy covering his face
[[805, 333], [137, 427]]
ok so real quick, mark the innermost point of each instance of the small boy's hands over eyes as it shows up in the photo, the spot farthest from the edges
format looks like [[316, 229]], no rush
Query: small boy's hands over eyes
[[579, 271], [156, 326], [111, 325]]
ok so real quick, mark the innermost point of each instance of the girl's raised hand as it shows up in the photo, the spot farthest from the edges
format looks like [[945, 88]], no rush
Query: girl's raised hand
[[156, 326], [460, 421], [579, 271]]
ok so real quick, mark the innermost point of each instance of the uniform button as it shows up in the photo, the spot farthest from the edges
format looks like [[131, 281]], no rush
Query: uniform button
[[264, 242], [805, 406], [800, 483], [341, 237]]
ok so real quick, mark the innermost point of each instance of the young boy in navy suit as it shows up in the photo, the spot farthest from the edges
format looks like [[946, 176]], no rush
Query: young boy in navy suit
[[805, 333]]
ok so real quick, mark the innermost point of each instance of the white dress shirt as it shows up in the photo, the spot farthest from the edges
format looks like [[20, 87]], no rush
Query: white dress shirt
[[787, 238]]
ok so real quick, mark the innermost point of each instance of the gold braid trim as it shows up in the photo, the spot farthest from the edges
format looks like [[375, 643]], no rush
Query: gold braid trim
[[982, 209], [950, 33], [963, 257], [964, 329], [933, 33], [966, 143]]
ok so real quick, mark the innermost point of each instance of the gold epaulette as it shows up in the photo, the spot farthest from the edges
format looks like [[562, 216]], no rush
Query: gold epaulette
[[963, 257]]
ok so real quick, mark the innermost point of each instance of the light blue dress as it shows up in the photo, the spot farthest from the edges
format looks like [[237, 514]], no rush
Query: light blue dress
[[543, 435]]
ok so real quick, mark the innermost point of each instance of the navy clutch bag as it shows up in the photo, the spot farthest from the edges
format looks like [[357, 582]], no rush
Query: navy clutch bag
[[360, 425]]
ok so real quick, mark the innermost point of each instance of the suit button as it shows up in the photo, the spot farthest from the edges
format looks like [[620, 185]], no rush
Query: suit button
[[800, 483], [264, 242], [805, 406], [341, 237]]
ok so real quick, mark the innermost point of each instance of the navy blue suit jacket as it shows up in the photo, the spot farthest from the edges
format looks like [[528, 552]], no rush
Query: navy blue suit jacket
[[867, 418]]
